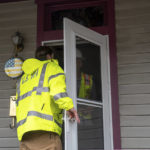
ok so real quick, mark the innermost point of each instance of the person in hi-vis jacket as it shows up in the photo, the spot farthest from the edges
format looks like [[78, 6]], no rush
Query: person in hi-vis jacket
[[41, 97], [85, 87]]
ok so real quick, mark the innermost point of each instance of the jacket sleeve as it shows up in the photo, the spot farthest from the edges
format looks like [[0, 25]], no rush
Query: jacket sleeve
[[58, 88]]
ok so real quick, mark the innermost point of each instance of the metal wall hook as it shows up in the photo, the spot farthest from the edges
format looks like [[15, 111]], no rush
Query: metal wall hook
[[12, 112], [13, 124]]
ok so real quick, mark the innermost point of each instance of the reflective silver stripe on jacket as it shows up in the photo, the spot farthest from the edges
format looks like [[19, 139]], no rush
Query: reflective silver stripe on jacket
[[41, 81], [39, 89], [37, 114], [44, 89], [60, 95], [40, 115], [56, 75]]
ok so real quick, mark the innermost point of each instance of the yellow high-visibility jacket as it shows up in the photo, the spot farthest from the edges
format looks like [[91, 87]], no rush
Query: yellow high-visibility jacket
[[41, 97], [85, 86]]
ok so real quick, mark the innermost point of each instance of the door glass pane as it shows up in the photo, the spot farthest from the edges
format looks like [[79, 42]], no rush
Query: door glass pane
[[90, 130], [87, 16], [88, 70], [89, 95]]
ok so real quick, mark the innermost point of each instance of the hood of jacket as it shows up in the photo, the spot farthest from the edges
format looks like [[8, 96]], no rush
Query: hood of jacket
[[30, 65]]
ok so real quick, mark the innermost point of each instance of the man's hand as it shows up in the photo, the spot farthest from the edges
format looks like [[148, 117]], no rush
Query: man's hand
[[72, 113]]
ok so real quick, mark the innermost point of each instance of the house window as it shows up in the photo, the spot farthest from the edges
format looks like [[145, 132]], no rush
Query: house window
[[85, 13], [89, 17]]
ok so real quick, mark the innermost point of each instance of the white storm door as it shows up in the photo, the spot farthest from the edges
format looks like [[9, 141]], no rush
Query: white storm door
[[95, 130]]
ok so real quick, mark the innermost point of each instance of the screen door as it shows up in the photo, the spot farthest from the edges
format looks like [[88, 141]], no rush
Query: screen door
[[86, 64]]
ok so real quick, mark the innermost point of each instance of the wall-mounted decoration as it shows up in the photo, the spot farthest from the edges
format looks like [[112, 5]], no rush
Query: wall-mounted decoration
[[13, 67], [17, 40]]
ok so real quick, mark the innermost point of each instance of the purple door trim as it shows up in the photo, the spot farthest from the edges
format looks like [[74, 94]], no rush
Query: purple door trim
[[114, 76]]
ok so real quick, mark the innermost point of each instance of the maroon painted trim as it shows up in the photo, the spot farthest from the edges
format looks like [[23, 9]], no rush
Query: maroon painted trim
[[6, 1], [53, 8], [58, 35], [76, 5], [106, 30], [114, 76], [63, 1], [43, 24]]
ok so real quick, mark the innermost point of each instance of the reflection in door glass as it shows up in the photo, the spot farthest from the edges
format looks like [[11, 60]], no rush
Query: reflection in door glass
[[88, 70], [89, 97], [90, 129]]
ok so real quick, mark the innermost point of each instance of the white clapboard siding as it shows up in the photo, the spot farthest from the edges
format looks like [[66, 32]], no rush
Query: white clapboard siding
[[134, 21], [6, 132], [132, 132], [8, 32], [4, 103], [133, 58], [4, 112], [4, 77], [9, 148], [135, 143], [8, 49], [134, 78], [133, 52], [9, 142], [8, 41], [134, 4], [139, 38], [15, 16], [1, 66], [5, 122], [4, 57], [126, 13], [137, 99], [20, 22], [5, 85], [134, 68], [134, 110], [134, 89], [135, 121], [7, 93], [126, 49], [4, 40], [140, 34], [5, 7]]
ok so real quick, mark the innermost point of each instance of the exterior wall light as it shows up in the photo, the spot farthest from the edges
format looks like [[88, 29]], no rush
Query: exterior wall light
[[17, 40]]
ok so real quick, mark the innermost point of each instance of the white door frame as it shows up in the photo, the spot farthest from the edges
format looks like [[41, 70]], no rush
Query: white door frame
[[51, 41], [71, 30]]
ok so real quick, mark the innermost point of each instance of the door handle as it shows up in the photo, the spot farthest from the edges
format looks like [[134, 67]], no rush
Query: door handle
[[69, 121]]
